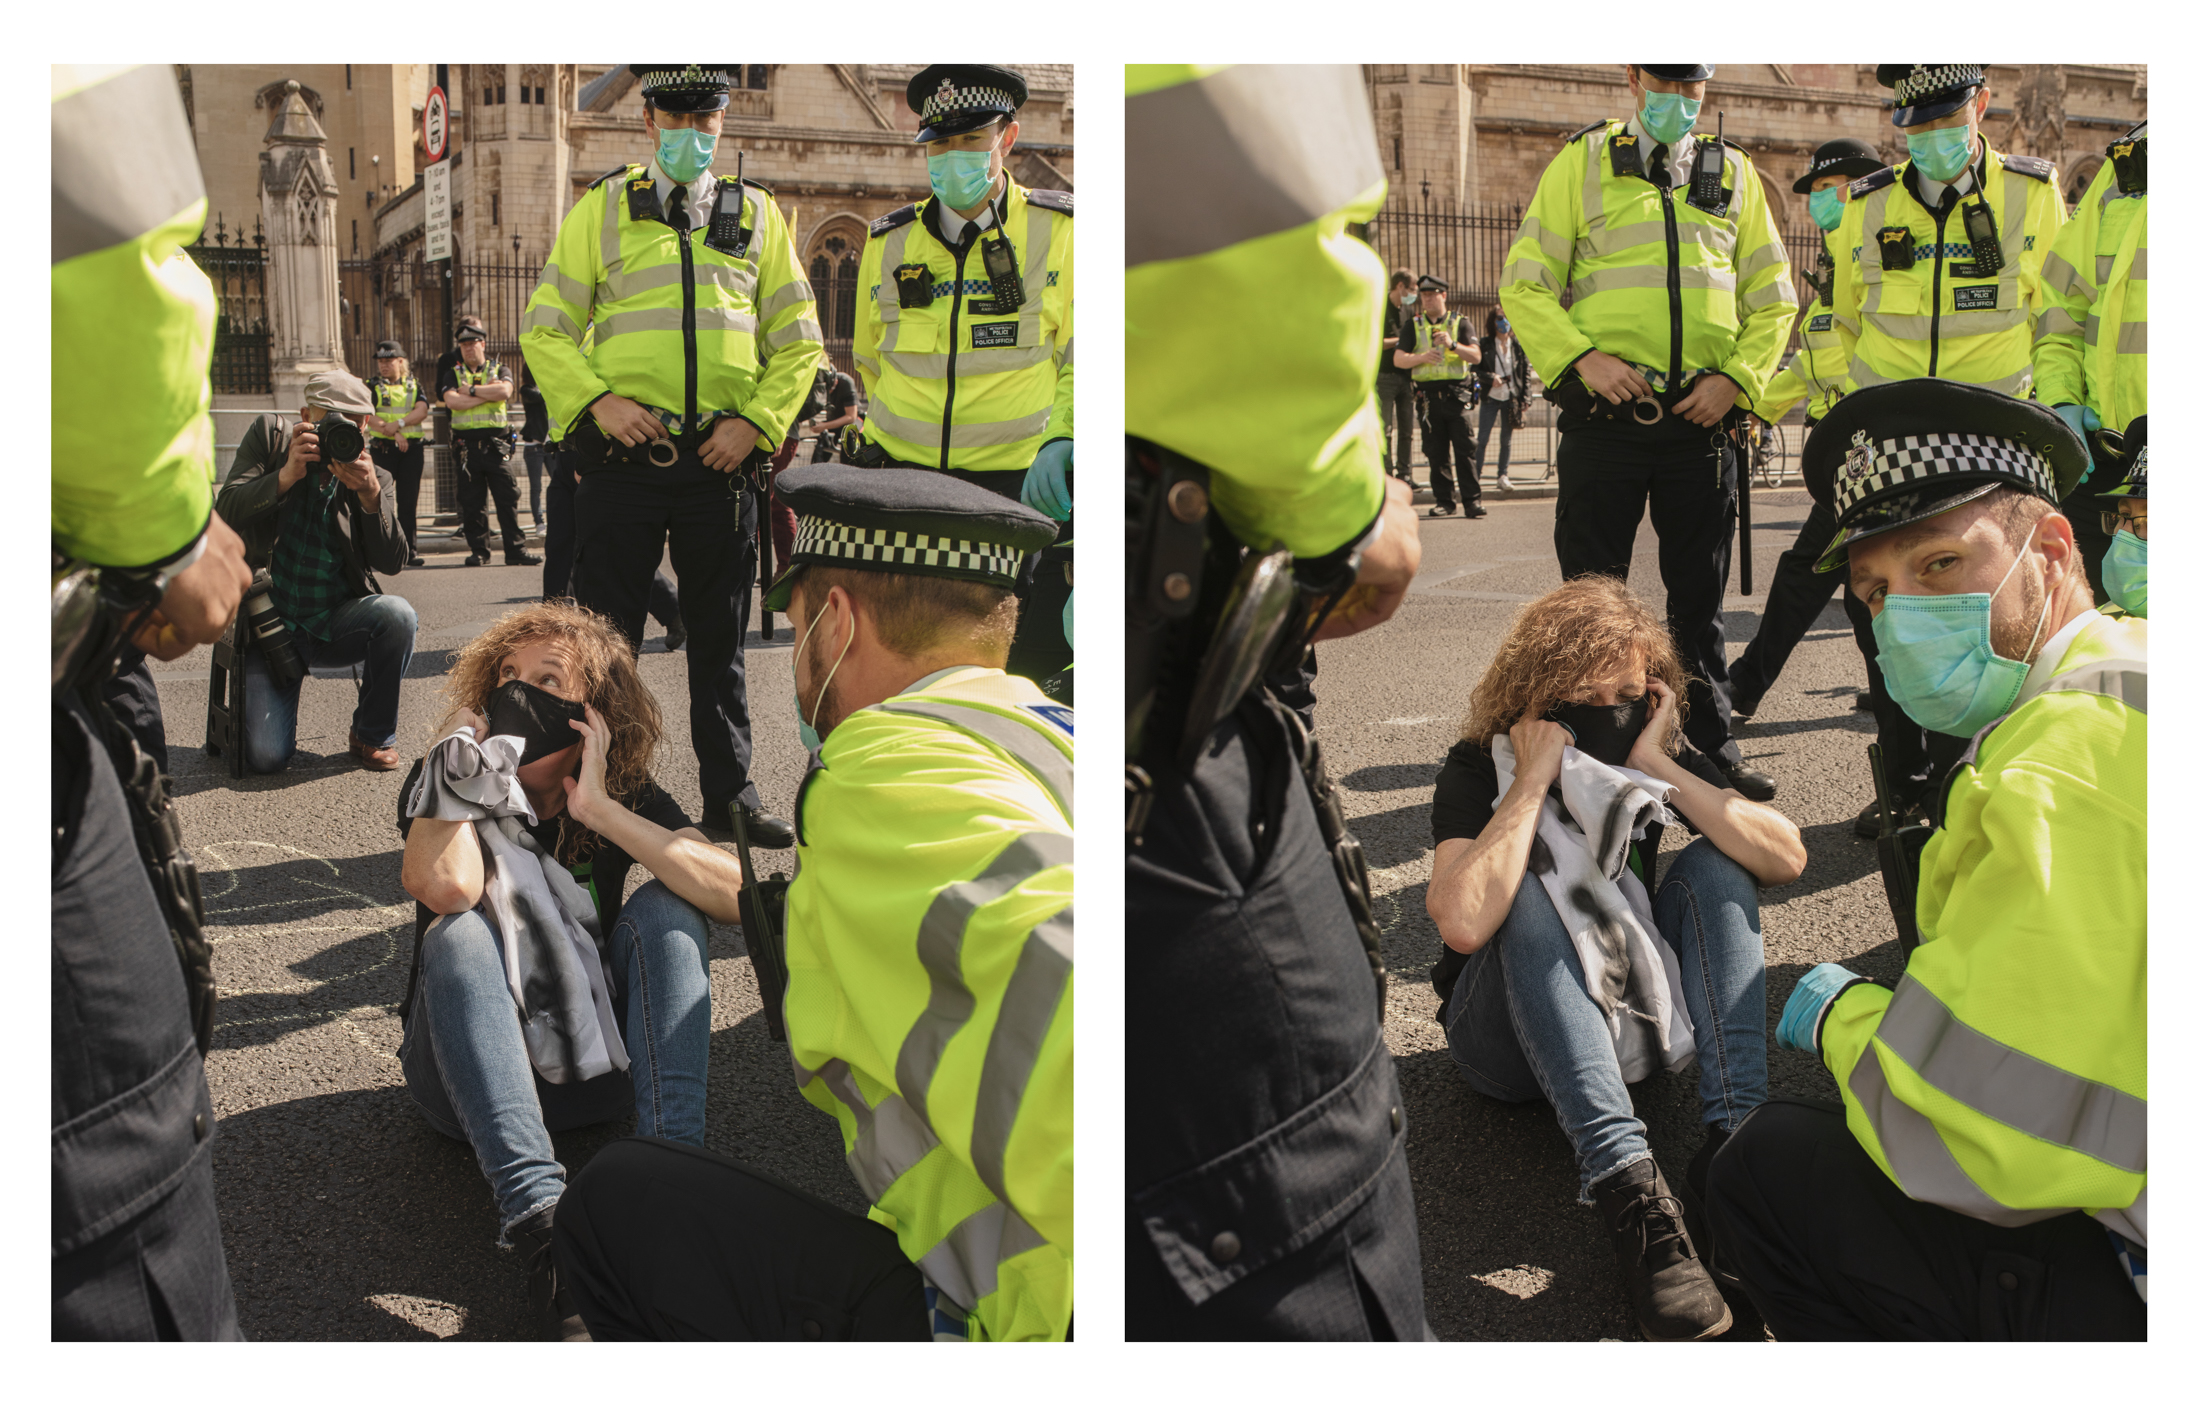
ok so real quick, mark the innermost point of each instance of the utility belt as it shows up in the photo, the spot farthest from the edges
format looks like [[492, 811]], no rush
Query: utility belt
[[599, 450], [500, 439], [94, 611], [1207, 621], [1572, 396]]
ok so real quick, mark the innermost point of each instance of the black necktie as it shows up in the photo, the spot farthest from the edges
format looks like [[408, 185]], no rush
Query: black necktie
[[1659, 176], [676, 212]]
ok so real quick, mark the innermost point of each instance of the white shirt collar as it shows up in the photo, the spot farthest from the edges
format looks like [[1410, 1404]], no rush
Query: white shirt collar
[[2050, 659], [951, 224], [1929, 190], [1680, 157], [702, 194]]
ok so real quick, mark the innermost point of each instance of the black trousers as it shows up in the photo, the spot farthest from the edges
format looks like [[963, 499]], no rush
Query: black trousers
[[404, 466], [137, 1243], [1450, 445], [1261, 1104], [660, 1241], [625, 515], [485, 469], [1040, 648], [1394, 393], [1606, 471], [557, 546], [135, 700], [1831, 1250]]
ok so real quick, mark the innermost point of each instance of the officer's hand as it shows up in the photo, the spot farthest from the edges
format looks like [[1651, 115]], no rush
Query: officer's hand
[[305, 450], [1386, 568], [2080, 420], [1611, 378], [731, 442], [1539, 746], [199, 602], [1046, 486], [1709, 401], [1803, 1019], [627, 422]]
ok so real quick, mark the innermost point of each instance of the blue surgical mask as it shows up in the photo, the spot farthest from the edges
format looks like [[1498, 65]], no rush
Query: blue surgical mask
[[1941, 155], [684, 153], [2124, 572], [1667, 117], [1504, 325], [1937, 653], [961, 178], [1825, 208], [811, 742]]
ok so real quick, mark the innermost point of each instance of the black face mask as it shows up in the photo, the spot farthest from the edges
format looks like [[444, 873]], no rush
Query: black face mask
[[522, 710], [1606, 733]]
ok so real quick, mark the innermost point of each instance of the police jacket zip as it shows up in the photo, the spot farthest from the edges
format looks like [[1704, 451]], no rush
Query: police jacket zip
[[687, 314], [954, 340], [1672, 281]]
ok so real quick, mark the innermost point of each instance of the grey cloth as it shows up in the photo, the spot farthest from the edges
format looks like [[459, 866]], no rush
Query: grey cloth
[[545, 922]]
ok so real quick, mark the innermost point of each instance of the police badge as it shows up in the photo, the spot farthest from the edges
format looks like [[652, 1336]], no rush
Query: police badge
[[1858, 464]]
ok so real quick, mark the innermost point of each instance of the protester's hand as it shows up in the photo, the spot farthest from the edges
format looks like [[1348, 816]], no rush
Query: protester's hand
[[200, 600], [1708, 400], [1665, 715], [1046, 487], [627, 422], [305, 450], [1539, 745], [467, 717], [1386, 568], [585, 796], [1611, 378], [731, 442]]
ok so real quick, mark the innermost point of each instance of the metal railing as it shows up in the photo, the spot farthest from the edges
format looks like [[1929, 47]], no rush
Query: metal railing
[[237, 266]]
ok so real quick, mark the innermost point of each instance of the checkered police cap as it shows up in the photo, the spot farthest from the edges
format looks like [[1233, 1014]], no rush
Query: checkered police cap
[[1924, 91], [952, 98], [687, 87], [947, 100], [839, 543], [911, 521]]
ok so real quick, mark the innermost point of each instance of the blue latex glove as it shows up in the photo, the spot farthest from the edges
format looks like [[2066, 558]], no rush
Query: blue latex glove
[[1808, 1003], [1046, 486], [2081, 419], [1069, 620]]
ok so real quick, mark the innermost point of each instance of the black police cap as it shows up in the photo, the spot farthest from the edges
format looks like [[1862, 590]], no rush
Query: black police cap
[[687, 87], [1924, 91], [1679, 72], [2131, 452], [906, 520], [961, 97], [1890, 455], [469, 332], [388, 348], [1430, 283], [1843, 156]]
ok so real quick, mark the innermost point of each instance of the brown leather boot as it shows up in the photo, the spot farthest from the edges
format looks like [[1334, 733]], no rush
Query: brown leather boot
[[371, 757], [1674, 1297]]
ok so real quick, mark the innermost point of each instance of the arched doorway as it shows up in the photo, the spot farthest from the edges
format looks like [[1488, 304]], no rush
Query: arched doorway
[[836, 252]]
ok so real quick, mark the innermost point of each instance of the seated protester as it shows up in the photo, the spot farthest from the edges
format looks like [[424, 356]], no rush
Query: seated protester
[[836, 395], [321, 530], [2124, 519], [1985, 1176], [928, 957], [1570, 971], [566, 819]]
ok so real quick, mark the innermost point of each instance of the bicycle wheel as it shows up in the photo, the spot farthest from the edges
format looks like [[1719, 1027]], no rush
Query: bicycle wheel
[[1775, 457]]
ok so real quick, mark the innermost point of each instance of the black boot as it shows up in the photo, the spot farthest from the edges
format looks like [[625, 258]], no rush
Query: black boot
[[550, 1306], [1672, 1293]]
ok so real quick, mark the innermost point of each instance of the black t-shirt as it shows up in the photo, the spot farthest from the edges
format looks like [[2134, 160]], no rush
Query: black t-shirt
[[1394, 320]]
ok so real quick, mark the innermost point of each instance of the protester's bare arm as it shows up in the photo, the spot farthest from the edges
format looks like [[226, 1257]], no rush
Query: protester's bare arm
[[1755, 836], [1474, 882], [683, 860], [442, 858]]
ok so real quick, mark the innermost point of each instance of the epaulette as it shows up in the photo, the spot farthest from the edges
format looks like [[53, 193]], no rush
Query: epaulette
[[1600, 122], [1061, 202], [1732, 145], [892, 220], [752, 185], [1865, 185], [2037, 167], [615, 171], [2136, 132]]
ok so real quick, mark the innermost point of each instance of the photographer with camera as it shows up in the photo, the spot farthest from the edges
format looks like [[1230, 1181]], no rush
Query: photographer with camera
[[476, 389], [319, 519]]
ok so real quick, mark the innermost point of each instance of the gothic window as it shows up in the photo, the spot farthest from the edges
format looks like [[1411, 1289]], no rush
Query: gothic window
[[534, 82], [833, 270], [759, 76]]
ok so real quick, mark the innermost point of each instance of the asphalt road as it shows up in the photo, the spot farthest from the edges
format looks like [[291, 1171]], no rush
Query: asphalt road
[[1506, 1251], [344, 1216]]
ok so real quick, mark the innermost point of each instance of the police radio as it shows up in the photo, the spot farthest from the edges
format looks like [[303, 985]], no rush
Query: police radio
[[1000, 266], [1985, 237], [1707, 187]]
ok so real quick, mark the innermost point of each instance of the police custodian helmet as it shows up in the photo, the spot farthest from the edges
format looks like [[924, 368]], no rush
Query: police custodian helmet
[[952, 98], [687, 87]]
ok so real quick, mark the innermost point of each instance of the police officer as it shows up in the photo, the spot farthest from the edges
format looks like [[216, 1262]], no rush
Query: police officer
[[1986, 1173], [1681, 304], [2089, 343], [936, 848], [139, 554], [2124, 520], [1264, 1130], [965, 335], [1438, 346], [477, 389], [705, 340], [396, 435]]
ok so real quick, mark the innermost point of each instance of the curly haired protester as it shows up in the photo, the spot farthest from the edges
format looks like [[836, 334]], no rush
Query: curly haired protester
[[1570, 970], [539, 1001]]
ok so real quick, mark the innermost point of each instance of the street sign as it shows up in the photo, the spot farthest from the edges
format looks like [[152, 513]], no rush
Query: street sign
[[435, 124], [439, 210]]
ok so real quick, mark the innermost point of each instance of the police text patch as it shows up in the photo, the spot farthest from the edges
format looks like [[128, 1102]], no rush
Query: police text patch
[[1976, 299], [994, 334], [1822, 323]]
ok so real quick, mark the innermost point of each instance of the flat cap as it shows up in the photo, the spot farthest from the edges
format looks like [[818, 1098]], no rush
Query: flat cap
[[960, 97], [906, 520], [1679, 72], [1924, 91], [687, 87], [2133, 454], [388, 348], [1843, 156], [1430, 283], [339, 391], [1890, 455]]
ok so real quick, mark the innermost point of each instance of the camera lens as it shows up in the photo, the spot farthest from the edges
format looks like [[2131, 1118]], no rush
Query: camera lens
[[341, 441]]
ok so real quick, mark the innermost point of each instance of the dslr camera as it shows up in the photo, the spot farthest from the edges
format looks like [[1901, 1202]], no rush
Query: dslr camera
[[341, 440]]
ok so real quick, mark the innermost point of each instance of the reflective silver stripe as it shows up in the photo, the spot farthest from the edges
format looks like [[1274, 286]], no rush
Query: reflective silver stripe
[[925, 434], [890, 1139], [1757, 261], [1606, 280], [619, 324], [2017, 196], [1068, 355], [968, 434], [1592, 176], [889, 297], [1031, 748], [1038, 245], [2103, 265], [2053, 322], [780, 338], [2061, 276], [1922, 1164], [2010, 1086], [1532, 271], [2138, 271], [1246, 152], [868, 367], [574, 291], [2092, 328], [2124, 680], [614, 203], [2131, 339], [939, 947], [124, 163], [629, 285], [1028, 1007], [1555, 245], [987, 361], [789, 295], [1606, 241], [1769, 295], [966, 1264], [549, 315]]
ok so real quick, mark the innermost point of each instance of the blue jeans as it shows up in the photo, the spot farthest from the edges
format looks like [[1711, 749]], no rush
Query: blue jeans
[[373, 631], [1522, 1025], [466, 1061]]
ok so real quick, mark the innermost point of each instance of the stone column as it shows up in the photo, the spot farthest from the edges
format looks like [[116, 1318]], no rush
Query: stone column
[[298, 206]]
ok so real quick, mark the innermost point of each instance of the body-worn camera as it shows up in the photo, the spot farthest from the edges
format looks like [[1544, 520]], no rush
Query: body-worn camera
[[341, 440]]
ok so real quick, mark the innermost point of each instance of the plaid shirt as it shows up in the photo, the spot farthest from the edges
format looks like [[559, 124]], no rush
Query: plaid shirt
[[307, 573]]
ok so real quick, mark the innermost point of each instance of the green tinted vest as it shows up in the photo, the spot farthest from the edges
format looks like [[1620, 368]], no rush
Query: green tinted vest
[[1451, 368], [394, 400], [487, 416]]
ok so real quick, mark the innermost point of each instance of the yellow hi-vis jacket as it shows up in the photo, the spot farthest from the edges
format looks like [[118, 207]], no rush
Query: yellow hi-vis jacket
[[490, 414], [394, 400], [1942, 316], [2006, 1076], [2089, 345], [717, 320], [1656, 281], [1252, 311], [133, 473], [1453, 367], [960, 382], [1820, 365], [930, 991]]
